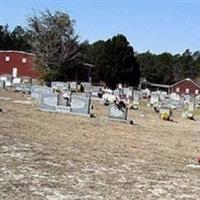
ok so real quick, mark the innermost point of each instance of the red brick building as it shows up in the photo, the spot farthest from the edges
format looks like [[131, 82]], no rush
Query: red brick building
[[17, 63], [186, 86]]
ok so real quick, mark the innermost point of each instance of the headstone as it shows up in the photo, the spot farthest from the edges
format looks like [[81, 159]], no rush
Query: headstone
[[163, 96], [126, 92], [26, 80], [73, 86], [117, 113], [146, 93], [64, 99], [154, 98], [38, 91], [49, 102], [60, 85], [87, 86], [7, 78], [165, 112], [2, 85], [189, 114], [191, 106], [108, 99], [80, 104], [136, 96], [24, 88], [16, 81], [174, 104], [175, 96]]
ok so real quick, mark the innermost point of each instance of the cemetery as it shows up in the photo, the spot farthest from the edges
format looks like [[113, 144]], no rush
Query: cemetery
[[99, 100], [49, 133]]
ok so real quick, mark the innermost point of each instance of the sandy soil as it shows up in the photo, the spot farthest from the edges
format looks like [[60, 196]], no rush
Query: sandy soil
[[56, 156]]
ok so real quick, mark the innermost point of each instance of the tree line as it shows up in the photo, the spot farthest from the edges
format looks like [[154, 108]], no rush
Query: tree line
[[61, 56]]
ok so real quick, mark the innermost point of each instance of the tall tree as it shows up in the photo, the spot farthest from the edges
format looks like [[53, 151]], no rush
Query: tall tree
[[55, 44], [6, 42], [114, 61], [20, 39]]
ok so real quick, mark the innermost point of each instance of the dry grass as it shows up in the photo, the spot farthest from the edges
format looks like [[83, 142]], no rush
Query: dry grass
[[58, 156]]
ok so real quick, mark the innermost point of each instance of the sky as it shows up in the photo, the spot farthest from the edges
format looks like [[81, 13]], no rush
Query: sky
[[155, 25]]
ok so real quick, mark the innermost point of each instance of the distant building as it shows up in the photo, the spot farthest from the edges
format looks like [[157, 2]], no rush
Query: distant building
[[17, 63], [185, 86], [154, 86]]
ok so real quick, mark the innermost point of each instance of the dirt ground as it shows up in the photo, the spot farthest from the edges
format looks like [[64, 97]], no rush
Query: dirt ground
[[57, 156]]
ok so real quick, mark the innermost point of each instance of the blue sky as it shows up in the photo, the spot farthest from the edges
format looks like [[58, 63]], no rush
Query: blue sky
[[155, 25]]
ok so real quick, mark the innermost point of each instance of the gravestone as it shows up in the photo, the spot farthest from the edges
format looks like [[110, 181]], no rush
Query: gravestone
[[7, 78], [154, 98], [80, 104], [189, 113], [54, 102], [174, 104], [163, 96], [87, 86], [60, 85], [191, 106], [49, 102], [126, 91], [175, 96], [73, 86], [165, 112], [117, 113], [26, 80], [2, 85], [64, 99], [38, 91], [16, 81], [116, 93], [24, 88], [136, 96], [145, 93]]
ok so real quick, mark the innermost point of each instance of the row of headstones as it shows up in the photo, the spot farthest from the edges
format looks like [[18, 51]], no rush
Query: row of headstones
[[8, 80], [173, 99], [128, 94], [74, 86], [165, 108], [54, 102]]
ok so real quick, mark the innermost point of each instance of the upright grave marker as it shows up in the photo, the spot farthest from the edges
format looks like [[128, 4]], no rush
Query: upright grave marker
[[60, 85], [78, 104], [2, 85], [116, 112], [38, 91], [49, 102], [154, 98]]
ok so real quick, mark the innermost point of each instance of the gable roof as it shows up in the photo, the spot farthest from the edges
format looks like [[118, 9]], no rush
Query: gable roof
[[186, 79], [15, 51]]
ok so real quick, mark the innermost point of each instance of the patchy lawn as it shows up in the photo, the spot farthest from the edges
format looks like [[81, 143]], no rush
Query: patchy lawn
[[58, 156]]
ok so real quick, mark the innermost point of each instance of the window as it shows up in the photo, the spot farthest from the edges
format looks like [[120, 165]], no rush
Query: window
[[7, 58], [177, 90], [187, 90], [196, 92], [14, 72], [24, 60]]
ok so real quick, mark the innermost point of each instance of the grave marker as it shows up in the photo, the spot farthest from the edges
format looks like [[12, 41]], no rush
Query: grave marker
[[114, 111], [38, 91], [2, 85], [80, 104], [49, 102]]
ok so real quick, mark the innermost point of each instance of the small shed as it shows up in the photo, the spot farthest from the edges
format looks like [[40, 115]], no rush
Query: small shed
[[17, 63], [186, 86]]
